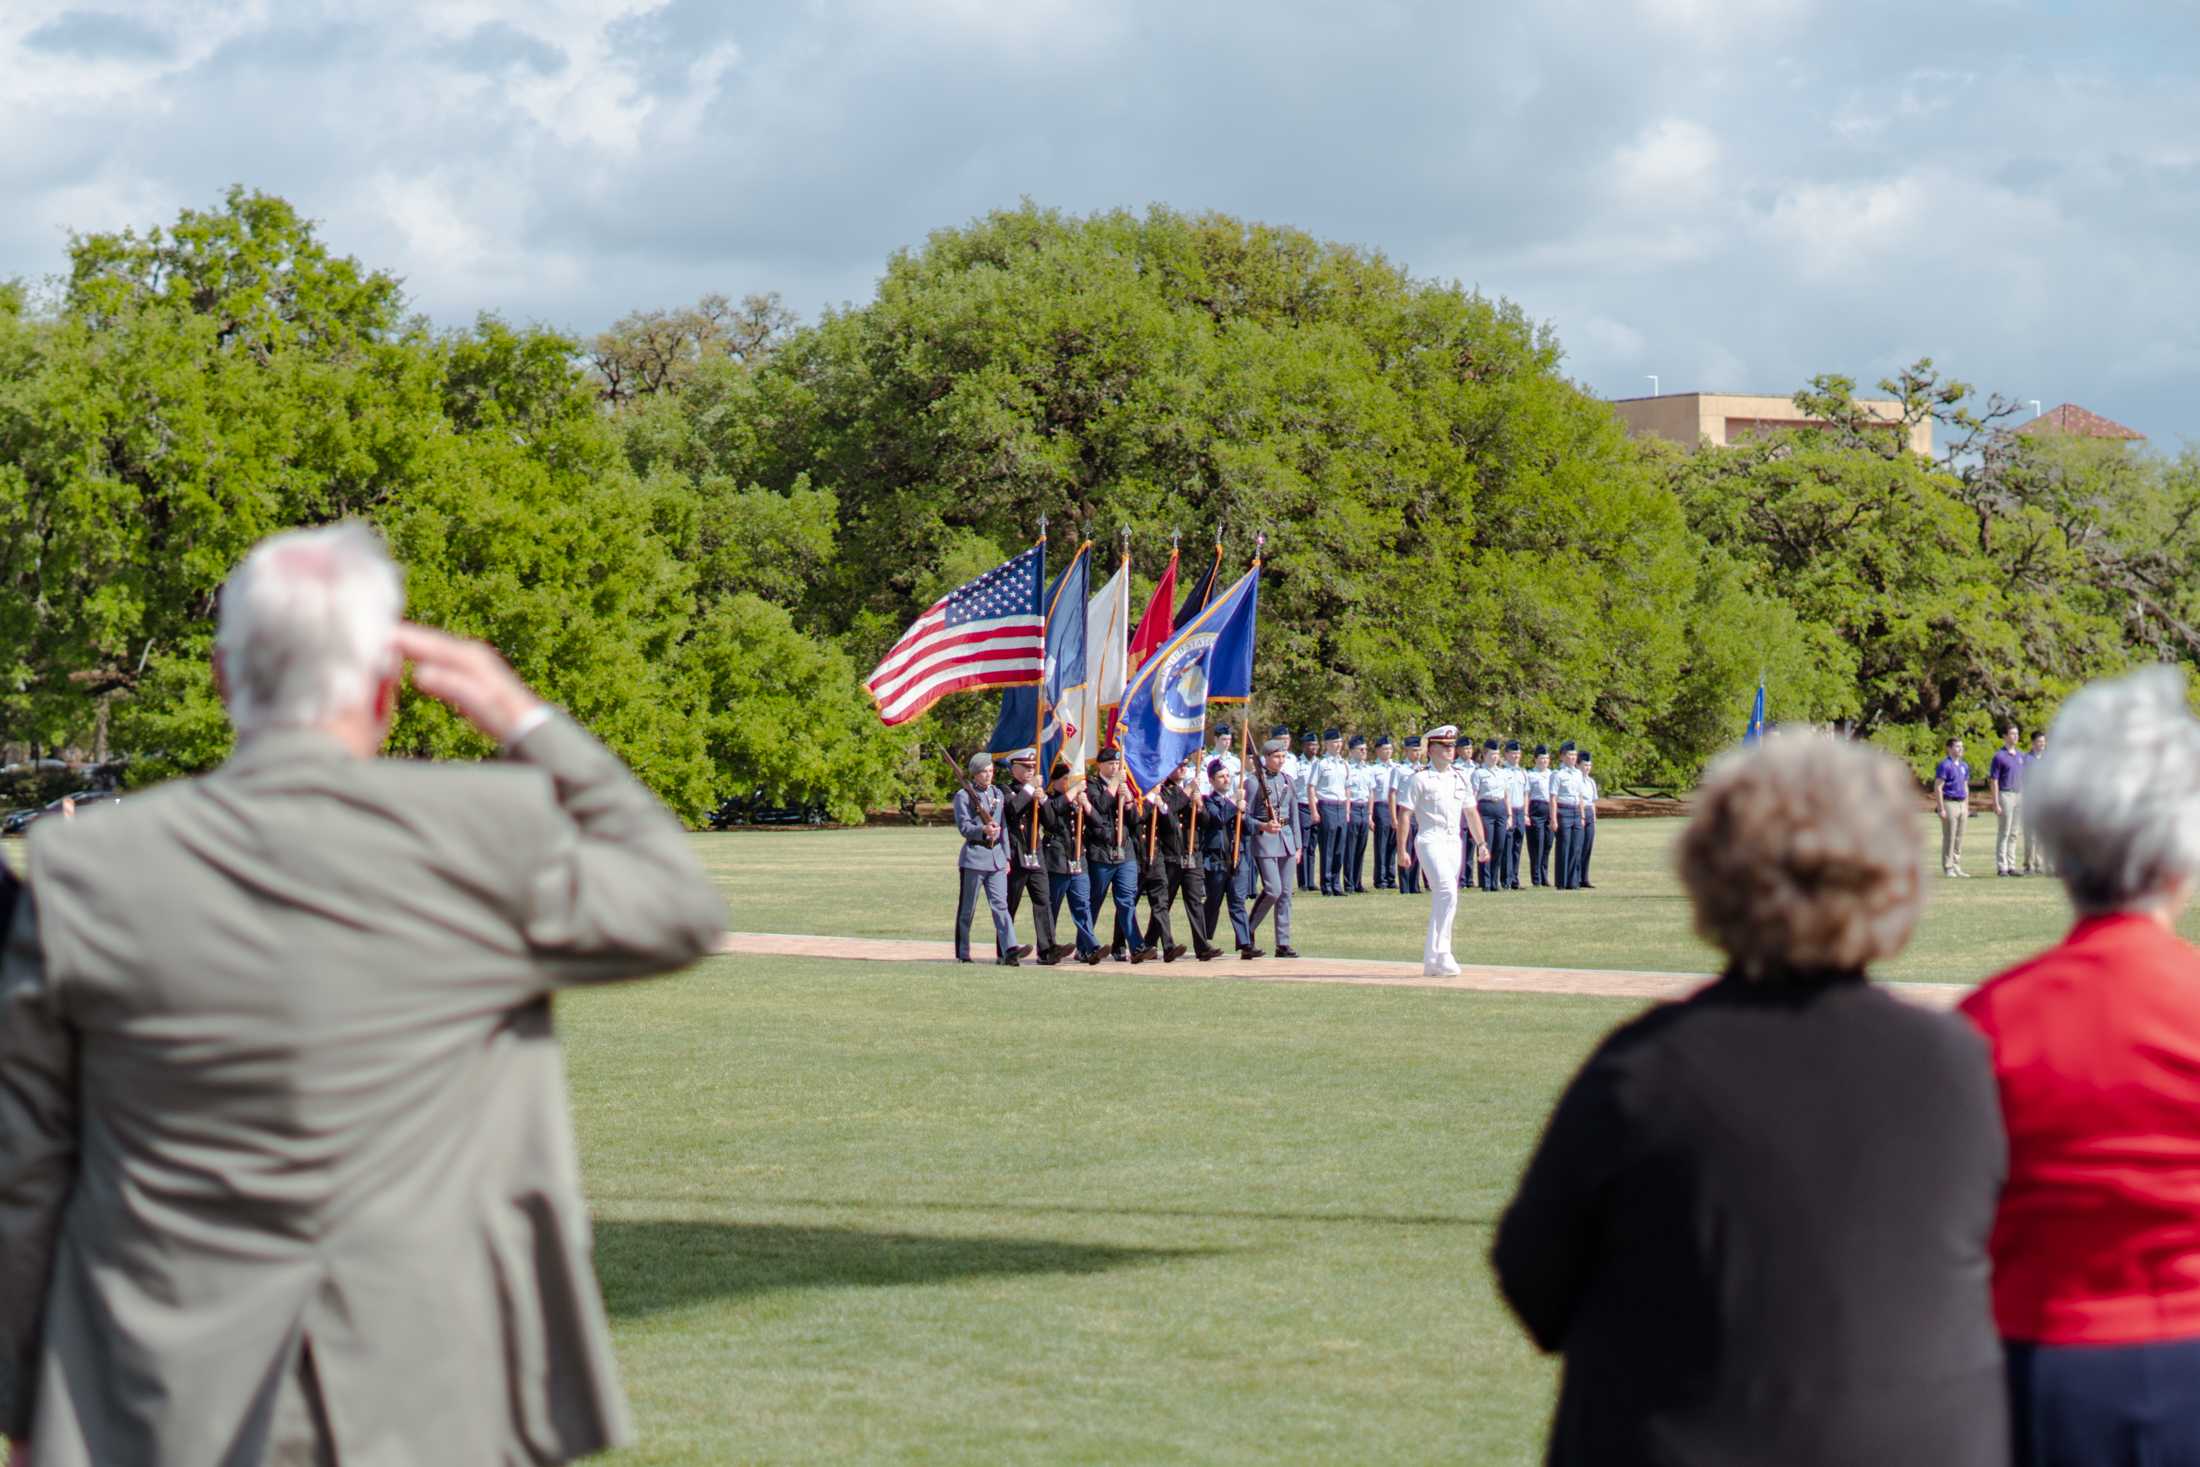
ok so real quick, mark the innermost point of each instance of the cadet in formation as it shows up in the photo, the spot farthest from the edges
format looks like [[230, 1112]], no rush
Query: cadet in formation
[[1569, 786], [1516, 814], [1111, 858], [1359, 785], [1402, 817], [1064, 817], [1302, 780], [982, 863], [1024, 815], [1540, 819], [1226, 856], [1386, 835], [1488, 781], [1439, 799], [1589, 794], [1269, 802]]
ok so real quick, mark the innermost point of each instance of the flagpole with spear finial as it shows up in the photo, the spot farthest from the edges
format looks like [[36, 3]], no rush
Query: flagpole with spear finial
[[1039, 698], [1237, 832]]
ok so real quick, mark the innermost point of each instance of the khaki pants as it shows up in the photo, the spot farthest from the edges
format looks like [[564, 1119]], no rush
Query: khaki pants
[[1954, 815], [2008, 827]]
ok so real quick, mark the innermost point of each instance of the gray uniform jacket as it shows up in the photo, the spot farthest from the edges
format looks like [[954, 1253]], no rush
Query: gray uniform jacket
[[1271, 797], [283, 1129], [972, 809]]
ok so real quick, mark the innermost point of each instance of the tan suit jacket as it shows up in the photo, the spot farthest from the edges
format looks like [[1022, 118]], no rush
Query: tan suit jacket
[[284, 1148]]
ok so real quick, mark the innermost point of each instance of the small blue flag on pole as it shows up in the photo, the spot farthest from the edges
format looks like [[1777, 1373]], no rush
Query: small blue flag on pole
[[1210, 660], [1756, 728]]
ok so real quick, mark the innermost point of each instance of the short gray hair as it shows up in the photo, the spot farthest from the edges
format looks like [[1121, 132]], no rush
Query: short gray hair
[[308, 625], [2116, 798]]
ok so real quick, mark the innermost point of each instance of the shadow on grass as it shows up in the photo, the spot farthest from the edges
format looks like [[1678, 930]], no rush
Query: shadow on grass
[[649, 1266], [1073, 1209]]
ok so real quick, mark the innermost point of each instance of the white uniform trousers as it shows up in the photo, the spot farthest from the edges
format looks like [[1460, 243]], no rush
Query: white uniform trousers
[[1439, 853]]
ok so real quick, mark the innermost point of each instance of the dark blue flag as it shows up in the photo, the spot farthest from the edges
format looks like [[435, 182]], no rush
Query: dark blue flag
[[1062, 672], [1756, 729], [1209, 660], [1203, 591]]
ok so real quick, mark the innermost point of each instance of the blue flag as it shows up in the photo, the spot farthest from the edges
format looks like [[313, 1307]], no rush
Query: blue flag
[[1208, 661], [1756, 728], [1062, 671]]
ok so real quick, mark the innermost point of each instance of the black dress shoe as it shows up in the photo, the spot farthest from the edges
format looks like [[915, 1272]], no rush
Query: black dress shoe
[[1285, 952], [1171, 954], [1092, 959], [966, 960], [1059, 951], [1050, 957], [1588, 886], [1025, 951], [1250, 953], [1119, 955], [1208, 955], [1144, 954], [1008, 960]]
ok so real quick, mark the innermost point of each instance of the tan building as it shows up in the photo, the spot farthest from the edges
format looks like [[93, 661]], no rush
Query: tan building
[[1724, 418]]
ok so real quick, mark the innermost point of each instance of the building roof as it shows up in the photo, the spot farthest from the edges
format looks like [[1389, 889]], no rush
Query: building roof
[[2075, 421]]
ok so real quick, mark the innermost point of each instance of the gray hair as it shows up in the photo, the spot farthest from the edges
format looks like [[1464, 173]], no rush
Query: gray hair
[[308, 625], [2116, 798]]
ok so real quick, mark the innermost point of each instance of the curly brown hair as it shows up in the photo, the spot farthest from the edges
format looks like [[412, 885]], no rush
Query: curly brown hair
[[1800, 856]]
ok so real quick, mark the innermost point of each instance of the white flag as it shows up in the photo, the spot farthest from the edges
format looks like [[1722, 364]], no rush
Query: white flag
[[1107, 636]]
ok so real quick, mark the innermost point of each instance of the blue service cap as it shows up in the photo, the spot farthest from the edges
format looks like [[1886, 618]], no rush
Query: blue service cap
[[1491, 744], [1359, 741], [1541, 750], [1587, 757], [1512, 746], [1280, 731], [1308, 736], [1386, 742], [1332, 733], [1413, 741], [1567, 747]]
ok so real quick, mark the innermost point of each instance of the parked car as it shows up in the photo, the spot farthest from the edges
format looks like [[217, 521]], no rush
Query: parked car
[[21, 820], [754, 809]]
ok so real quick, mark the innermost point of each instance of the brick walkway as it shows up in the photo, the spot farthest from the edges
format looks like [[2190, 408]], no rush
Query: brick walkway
[[1592, 982]]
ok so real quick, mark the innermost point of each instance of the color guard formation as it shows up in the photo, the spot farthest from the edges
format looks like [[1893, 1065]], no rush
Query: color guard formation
[[1223, 839]]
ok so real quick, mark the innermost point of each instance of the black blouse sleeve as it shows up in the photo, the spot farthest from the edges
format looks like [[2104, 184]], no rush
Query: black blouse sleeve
[[1550, 1236]]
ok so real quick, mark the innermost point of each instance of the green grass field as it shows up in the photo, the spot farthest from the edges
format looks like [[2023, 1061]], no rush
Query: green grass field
[[921, 1213]]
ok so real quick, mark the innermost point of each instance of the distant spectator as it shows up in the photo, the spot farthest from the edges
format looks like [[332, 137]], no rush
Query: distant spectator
[[2035, 854], [8, 892], [2005, 777], [2096, 1044], [1953, 779], [1756, 1226]]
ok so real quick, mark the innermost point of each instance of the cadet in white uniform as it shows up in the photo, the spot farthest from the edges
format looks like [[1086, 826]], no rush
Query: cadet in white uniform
[[1438, 798]]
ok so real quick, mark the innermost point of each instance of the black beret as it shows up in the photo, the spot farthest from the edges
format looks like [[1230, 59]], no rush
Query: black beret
[[1108, 755]]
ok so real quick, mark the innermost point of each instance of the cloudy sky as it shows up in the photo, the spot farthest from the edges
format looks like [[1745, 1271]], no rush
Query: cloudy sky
[[1731, 194]]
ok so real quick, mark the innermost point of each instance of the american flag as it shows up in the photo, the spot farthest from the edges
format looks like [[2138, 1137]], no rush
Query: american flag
[[988, 634]]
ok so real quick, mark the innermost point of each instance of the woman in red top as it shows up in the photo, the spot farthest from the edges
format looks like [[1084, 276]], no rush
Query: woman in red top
[[2096, 1047]]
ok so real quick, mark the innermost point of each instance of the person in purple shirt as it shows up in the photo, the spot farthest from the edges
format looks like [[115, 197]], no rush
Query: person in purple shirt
[[1954, 779], [2005, 778]]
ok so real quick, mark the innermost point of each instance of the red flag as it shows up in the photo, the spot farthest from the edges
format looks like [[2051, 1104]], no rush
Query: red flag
[[1159, 622]]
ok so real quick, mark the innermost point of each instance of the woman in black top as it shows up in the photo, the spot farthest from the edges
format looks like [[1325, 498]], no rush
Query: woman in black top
[[1756, 1225]]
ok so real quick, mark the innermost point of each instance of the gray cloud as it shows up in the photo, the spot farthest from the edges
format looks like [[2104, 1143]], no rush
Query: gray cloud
[[1728, 193]]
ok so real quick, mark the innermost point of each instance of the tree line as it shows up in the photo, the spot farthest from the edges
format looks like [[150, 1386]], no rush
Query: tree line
[[699, 528]]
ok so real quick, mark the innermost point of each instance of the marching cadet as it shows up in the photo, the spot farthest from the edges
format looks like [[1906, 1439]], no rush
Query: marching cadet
[[1027, 859], [1488, 781], [1386, 834], [1064, 816], [1439, 798], [983, 863], [1302, 780], [1540, 818], [1111, 862], [1269, 801], [1331, 817], [1225, 854], [1172, 813], [1221, 750], [1567, 789], [1402, 817], [1589, 795], [1516, 814], [1359, 785]]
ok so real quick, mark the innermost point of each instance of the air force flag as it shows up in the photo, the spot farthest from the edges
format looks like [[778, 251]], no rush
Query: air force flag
[[1209, 660]]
